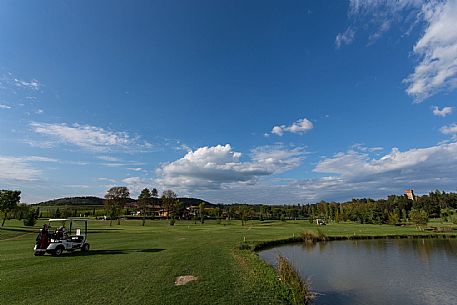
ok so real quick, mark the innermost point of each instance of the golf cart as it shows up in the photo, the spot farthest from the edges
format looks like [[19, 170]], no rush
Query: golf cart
[[55, 239]]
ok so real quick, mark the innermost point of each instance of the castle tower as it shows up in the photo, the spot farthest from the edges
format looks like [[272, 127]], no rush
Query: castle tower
[[410, 194]]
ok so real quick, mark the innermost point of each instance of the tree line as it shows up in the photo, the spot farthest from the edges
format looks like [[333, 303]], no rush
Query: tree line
[[395, 209]]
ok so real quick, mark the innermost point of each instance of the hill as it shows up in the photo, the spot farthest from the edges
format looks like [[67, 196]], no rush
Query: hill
[[87, 200]]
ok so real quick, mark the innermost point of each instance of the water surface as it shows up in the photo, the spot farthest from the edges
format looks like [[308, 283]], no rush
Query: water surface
[[372, 272]]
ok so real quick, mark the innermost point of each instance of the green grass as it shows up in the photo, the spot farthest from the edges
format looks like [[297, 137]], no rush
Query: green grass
[[131, 264]]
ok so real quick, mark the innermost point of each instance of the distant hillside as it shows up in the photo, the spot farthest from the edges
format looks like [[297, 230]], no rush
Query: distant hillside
[[89, 200], [194, 201], [92, 200]]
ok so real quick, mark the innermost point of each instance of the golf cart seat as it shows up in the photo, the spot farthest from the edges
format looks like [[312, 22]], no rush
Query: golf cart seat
[[77, 238]]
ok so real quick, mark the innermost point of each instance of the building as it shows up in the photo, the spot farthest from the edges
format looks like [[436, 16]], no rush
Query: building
[[410, 194]]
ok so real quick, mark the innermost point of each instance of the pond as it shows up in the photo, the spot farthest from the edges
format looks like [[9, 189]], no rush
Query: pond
[[382, 271]]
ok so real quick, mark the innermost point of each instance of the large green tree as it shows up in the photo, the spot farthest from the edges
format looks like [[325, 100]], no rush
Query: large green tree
[[144, 199], [8, 202], [115, 198]]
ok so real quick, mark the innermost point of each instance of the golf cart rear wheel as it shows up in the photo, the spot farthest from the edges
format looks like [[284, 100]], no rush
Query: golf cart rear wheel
[[85, 248], [58, 251]]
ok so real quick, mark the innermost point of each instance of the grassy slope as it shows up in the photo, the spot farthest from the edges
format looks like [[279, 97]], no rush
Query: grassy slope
[[130, 264]]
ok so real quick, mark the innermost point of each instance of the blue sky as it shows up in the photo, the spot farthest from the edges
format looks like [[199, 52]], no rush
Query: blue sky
[[230, 101]]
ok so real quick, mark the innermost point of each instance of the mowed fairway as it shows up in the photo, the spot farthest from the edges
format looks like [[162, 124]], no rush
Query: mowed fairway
[[131, 264]]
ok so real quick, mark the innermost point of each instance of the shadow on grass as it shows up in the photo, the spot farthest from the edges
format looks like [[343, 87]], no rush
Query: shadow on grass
[[102, 231], [21, 229], [110, 252]]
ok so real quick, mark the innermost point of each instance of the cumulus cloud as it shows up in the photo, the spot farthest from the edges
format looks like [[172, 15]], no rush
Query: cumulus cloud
[[356, 173], [3, 106], [219, 166], [21, 168], [345, 38], [424, 168], [90, 137], [449, 129], [437, 47], [300, 127], [442, 112]]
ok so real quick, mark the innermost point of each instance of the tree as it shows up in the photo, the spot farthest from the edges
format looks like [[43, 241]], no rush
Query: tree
[[143, 200], [154, 193], [8, 202], [243, 212], [201, 209], [394, 218], [115, 199], [418, 217], [168, 201]]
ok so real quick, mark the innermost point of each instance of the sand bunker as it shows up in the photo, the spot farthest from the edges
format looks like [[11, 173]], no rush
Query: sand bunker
[[184, 279]]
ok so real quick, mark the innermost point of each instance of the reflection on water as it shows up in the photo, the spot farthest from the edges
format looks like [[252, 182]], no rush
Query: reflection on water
[[381, 271]]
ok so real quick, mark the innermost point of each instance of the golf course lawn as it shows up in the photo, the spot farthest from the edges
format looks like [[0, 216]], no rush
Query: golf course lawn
[[132, 264]]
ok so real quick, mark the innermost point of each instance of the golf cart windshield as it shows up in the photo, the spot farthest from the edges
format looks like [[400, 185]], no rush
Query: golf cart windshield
[[77, 226]]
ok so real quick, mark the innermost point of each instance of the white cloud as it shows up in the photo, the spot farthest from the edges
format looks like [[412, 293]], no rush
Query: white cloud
[[77, 186], [355, 174], [437, 70], [33, 84], [135, 169], [277, 158], [3, 106], [386, 7], [382, 14], [450, 129], [442, 112], [383, 28], [106, 179], [300, 127], [21, 168], [436, 48], [345, 38], [219, 166], [90, 137], [108, 158], [136, 184]]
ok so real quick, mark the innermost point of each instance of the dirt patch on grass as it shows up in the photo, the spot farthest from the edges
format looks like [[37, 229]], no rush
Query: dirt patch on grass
[[184, 279]]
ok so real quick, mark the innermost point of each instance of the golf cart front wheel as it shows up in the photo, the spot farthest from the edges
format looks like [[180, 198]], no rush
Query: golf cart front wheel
[[85, 248], [58, 251]]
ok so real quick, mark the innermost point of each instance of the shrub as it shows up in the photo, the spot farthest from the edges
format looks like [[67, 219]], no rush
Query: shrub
[[312, 237], [322, 236], [454, 219], [30, 220], [172, 221], [309, 236], [299, 288], [244, 246]]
